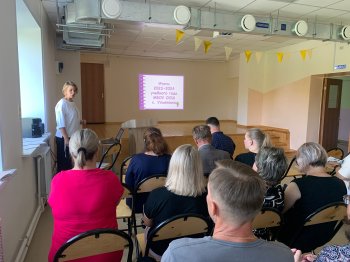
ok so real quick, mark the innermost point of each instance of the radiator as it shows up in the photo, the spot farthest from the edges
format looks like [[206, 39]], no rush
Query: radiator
[[44, 173]]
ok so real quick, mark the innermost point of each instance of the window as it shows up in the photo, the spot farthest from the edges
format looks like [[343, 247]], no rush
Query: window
[[30, 63]]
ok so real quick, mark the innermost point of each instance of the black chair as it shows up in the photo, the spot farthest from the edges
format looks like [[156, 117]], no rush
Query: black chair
[[266, 224], [112, 153], [123, 210], [290, 171], [124, 167], [185, 225], [326, 221], [95, 242]]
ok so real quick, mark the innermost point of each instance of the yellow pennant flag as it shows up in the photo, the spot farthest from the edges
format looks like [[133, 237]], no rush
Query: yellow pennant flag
[[309, 52], [280, 57], [303, 54], [197, 43], [207, 45], [179, 35], [258, 56], [248, 54], [228, 51]]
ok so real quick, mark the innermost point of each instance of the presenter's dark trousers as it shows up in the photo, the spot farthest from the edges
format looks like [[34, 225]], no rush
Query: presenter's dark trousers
[[64, 161]]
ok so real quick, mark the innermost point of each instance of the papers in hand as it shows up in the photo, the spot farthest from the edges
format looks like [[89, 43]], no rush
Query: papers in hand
[[333, 159]]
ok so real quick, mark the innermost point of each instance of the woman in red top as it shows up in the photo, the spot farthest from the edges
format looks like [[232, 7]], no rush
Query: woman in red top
[[85, 197]]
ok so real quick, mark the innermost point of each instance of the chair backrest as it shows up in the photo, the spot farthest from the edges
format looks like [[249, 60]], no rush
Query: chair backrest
[[112, 152], [94, 242], [336, 152], [150, 183], [331, 212], [127, 191], [267, 218], [334, 212], [290, 171], [124, 167], [185, 225]]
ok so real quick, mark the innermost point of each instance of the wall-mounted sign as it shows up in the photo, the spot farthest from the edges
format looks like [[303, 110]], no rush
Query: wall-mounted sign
[[338, 67], [262, 25]]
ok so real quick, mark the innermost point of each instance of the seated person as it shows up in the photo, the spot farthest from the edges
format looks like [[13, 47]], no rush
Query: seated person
[[305, 195], [271, 164], [344, 172], [154, 161], [184, 192], [85, 197], [208, 153], [254, 139], [235, 197], [219, 139]]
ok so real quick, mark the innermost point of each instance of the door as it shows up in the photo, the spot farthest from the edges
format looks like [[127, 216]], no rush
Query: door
[[331, 98], [92, 93]]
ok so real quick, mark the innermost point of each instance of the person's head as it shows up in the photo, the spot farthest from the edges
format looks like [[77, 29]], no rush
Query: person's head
[[310, 155], [154, 141], [69, 90], [229, 163], [201, 134], [185, 174], [254, 139], [213, 124], [271, 164], [83, 146], [235, 194]]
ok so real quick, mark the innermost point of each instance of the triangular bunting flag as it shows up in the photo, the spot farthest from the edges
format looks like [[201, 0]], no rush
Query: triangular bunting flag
[[207, 45], [280, 57], [248, 54], [258, 56], [309, 52], [179, 35], [303, 54], [197, 43], [228, 51]]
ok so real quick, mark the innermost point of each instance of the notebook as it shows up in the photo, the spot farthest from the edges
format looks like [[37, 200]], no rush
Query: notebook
[[115, 139]]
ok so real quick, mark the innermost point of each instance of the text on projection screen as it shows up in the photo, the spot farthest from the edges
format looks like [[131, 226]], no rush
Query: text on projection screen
[[161, 92]]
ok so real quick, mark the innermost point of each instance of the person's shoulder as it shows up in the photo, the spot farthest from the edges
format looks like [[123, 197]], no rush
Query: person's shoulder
[[187, 242], [275, 246]]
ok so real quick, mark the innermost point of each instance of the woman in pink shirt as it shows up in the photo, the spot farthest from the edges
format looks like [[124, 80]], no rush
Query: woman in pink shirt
[[85, 197]]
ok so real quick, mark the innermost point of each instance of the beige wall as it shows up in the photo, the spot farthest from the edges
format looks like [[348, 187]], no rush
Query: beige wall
[[209, 89], [18, 200]]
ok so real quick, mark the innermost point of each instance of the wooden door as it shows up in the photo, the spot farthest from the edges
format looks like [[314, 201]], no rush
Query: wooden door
[[92, 93], [331, 98]]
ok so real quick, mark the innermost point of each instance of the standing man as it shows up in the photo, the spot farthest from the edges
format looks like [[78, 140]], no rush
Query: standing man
[[235, 196], [219, 139], [208, 153]]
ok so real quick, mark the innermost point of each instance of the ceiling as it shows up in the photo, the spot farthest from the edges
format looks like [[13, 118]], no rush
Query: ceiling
[[148, 40]]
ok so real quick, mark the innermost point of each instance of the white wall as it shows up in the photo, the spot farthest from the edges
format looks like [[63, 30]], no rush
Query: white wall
[[209, 90], [17, 196]]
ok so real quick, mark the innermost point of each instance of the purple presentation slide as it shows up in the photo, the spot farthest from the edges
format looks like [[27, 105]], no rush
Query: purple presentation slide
[[161, 92]]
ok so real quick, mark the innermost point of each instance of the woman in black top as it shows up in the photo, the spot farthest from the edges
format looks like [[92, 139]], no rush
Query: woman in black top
[[254, 139], [305, 195]]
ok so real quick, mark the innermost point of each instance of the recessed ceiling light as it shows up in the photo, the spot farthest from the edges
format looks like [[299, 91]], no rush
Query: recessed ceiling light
[[111, 8]]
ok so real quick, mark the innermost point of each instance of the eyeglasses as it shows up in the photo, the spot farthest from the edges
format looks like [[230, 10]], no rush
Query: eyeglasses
[[346, 199]]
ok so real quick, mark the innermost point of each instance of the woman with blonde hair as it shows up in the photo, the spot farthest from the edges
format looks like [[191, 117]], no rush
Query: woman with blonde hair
[[153, 161], [254, 139], [85, 197], [184, 191], [68, 121]]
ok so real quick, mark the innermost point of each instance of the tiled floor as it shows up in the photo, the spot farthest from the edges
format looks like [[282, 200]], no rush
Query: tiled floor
[[41, 241]]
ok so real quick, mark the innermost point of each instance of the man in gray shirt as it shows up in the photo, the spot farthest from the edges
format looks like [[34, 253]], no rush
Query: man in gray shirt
[[235, 197], [208, 153]]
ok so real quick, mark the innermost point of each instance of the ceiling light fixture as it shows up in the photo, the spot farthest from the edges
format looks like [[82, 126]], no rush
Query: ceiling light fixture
[[248, 23], [111, 8], [300, 28], [345, 32], [182, 14]]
